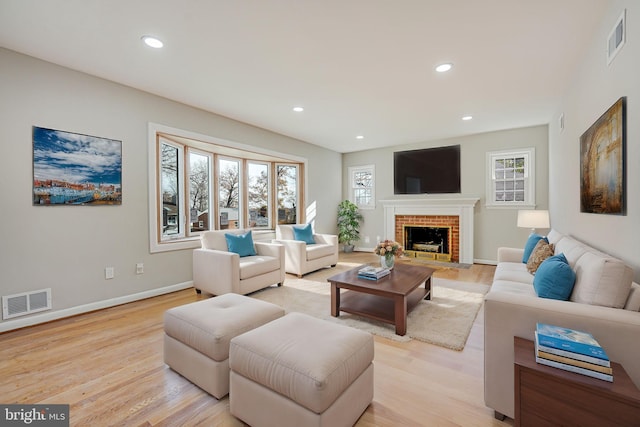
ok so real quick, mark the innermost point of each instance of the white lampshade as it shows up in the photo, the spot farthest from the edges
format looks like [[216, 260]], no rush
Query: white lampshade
[[533, 219]]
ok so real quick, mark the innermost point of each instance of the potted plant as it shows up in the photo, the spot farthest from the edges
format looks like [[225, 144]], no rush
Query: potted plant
[[349, 219]]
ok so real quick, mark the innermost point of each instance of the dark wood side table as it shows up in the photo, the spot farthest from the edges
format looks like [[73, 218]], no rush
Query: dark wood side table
[[546, 396]]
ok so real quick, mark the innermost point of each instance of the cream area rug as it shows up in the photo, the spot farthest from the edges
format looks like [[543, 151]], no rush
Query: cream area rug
[[445, 320]]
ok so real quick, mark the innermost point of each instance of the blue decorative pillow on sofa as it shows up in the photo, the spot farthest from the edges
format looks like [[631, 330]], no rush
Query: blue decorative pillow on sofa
[[554, 278], [242, 244], [532, 241], [304, 233]]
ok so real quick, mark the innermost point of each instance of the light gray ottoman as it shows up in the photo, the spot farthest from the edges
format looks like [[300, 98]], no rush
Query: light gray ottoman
[[197, 336], [301, 371]]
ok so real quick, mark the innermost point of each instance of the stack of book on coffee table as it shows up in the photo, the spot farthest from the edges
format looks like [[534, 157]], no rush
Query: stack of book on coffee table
[[571, 350], [373, 273]]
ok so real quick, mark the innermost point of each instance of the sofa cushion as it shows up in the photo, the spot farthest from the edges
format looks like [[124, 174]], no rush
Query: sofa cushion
[[542, 251], [242, 244], [633, 300], [554, 278], [531, 243], [554, 237], [304, 233], [252, 266], [601, 280], [572, 249]]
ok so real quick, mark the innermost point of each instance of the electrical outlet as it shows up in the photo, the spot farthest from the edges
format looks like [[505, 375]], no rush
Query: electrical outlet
[[109, 273], [139, 268], [366, 239]]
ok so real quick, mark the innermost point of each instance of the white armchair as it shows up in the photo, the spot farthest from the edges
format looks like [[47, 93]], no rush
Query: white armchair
[[301, 258], [218, 271]]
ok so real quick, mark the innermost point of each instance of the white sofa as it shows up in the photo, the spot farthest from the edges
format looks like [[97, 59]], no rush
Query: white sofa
[[218, 271], [604, 302], [301, 258]]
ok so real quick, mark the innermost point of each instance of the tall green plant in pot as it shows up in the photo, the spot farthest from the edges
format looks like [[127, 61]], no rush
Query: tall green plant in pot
[[349, 219]]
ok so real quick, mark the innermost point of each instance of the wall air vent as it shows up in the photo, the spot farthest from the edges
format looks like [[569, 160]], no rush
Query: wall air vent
[[617, 37], [26, 303]]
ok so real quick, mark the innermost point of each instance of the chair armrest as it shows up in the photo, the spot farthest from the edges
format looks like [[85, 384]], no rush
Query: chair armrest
[[329, 239], [216, 272], [292, 245], [275, 250], [510, 254], [295, 253]]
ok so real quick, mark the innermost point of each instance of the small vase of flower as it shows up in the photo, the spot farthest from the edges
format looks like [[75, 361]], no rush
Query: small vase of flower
[[388, 251]]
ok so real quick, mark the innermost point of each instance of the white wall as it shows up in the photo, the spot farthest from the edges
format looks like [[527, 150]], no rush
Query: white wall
[[595, 88], [67, 248], [492, 227]]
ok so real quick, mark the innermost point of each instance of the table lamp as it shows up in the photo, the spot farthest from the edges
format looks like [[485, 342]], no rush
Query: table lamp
[[533, 219]]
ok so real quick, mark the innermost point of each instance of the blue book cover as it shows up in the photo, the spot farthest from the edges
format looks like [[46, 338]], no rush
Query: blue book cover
[[569, 340]]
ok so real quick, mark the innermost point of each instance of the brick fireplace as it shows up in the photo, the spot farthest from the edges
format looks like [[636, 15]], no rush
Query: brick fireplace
[[456, 213], [450, 222]]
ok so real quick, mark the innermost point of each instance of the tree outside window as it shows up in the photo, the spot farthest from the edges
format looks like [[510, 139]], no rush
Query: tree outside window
[[287, 193]]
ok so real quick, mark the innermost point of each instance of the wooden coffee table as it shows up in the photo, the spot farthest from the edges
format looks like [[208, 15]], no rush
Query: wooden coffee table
[[388, 299]]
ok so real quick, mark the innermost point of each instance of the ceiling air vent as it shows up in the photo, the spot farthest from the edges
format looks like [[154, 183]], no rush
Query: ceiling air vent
[[26, 303], [617, 37]]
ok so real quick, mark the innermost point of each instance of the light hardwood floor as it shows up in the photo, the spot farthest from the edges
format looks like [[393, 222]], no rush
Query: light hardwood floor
[[108, 366]]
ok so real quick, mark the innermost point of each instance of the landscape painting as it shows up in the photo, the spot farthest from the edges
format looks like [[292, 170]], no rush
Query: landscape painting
[[75, 169], [602, 163]]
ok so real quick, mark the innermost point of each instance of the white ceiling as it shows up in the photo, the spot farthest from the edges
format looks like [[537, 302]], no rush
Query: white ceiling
[[357, 66]]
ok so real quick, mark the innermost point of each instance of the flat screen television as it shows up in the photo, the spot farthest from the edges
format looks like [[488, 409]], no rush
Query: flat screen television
[[430, 170]]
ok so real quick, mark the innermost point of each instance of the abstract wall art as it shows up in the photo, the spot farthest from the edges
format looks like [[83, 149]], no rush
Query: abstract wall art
[[603, 163]]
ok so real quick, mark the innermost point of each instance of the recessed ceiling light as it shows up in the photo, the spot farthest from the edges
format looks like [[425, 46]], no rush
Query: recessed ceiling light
[[360, 137], [465, 118], [152, 42], [444, 67], [298, 109]]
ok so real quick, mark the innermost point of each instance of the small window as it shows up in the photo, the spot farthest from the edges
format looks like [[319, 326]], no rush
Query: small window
[[362, 186], [511, 180]]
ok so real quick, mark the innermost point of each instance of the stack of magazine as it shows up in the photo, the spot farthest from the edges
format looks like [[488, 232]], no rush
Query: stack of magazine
[[373, 273], [572, 350]]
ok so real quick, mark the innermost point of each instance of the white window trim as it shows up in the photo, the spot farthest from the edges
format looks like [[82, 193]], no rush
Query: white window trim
[[530, 179], [364, 168], [192, 242]]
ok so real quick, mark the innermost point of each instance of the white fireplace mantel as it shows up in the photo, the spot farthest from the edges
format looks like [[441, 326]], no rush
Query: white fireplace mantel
[[461, 207]]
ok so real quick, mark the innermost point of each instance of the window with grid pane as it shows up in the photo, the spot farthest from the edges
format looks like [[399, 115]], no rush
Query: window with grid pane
[[511, 181], [362, 188]]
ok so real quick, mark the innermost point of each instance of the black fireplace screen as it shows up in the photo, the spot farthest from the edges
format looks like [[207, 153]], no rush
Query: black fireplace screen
[[426, 239]]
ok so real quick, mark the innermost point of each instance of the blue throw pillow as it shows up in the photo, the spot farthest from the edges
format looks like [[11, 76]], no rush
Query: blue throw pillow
[[532, 241], [242, 244], [554, 278], [304, 233]]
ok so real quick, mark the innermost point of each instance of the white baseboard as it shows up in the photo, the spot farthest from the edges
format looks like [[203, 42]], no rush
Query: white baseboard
[[485, 261], [98, 305]]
